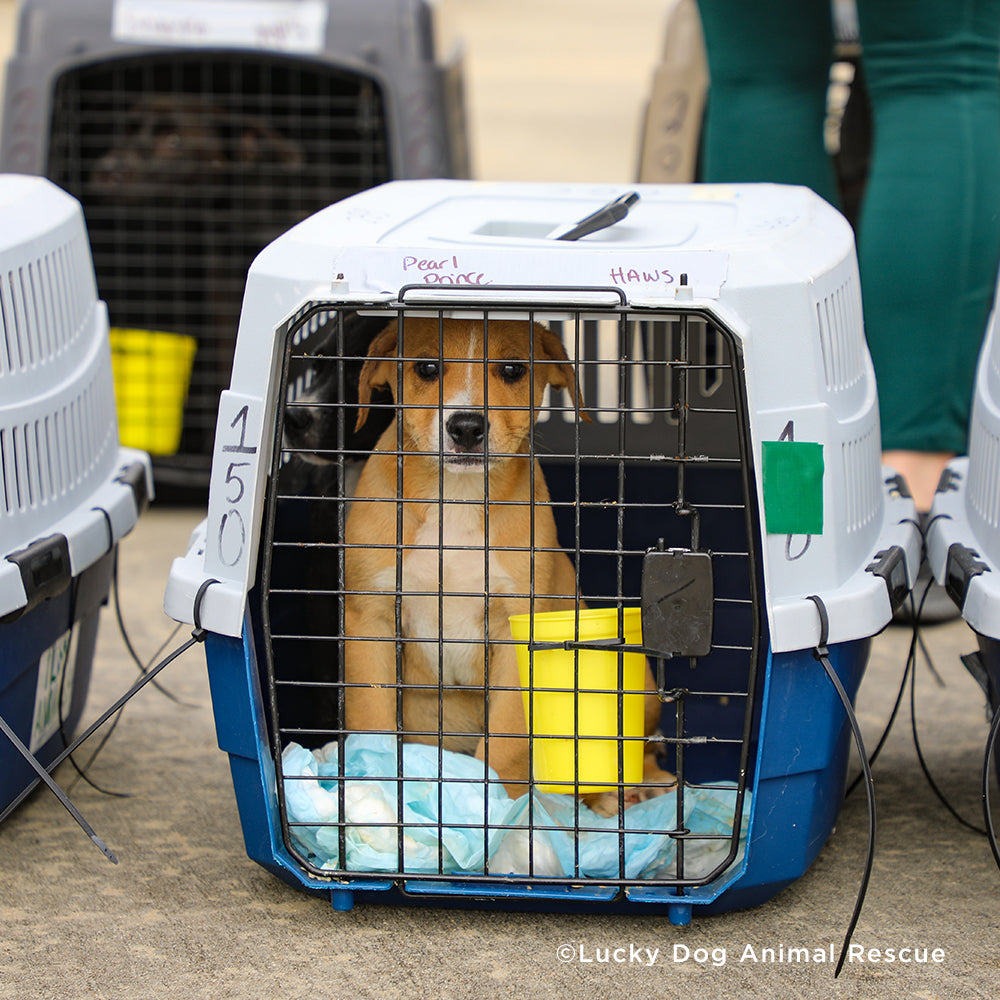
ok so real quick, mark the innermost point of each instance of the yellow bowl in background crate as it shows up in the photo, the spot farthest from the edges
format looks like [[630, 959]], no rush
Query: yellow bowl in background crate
[[152, 372], [576, 737]]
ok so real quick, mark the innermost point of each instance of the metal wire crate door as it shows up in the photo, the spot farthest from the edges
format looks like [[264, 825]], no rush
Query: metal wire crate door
[[648, 485], [187, 165]]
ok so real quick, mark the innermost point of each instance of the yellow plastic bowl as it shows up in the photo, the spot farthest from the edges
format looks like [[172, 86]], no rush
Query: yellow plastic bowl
[[152, 371], [575, 728]]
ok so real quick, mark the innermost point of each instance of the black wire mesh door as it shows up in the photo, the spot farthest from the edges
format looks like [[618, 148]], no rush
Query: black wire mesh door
[[393, 702], [187, 165]]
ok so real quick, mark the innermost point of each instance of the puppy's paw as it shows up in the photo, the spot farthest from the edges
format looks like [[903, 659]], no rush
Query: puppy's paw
[[604, 803], [655, 782]]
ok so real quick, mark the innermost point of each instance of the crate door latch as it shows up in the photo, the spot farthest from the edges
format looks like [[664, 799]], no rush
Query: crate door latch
[[677, 602]]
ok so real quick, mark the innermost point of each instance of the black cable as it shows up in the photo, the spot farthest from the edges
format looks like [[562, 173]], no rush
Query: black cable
[[917, 643], [142, 667], [940, 681], [916, 610], [923, 762], [82, 771], [883, 739], [63, 734], [991, 832], [197, 636], [822, 654]]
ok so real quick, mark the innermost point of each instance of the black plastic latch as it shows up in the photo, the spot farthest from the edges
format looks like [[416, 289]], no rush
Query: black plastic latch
[[962, 565], [45, 571], [948, 482], [134, 475], [678, 610], [898, 486], [890, 564]]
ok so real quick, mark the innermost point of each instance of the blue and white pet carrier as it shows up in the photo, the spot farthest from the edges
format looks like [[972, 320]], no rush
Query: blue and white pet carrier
[[68, 491], [717, 465]]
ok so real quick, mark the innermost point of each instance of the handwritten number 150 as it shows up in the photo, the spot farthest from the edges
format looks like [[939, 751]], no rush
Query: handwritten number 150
[[232, 528]]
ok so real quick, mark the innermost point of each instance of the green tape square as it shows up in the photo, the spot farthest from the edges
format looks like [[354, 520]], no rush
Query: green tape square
[[793, 487]]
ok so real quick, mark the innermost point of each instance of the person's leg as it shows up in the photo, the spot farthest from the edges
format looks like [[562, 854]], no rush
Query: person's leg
[[929, 240], [922, 471], [769, 64]]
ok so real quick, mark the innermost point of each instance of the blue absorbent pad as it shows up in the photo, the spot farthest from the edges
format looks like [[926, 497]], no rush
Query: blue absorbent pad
[[457, 815]]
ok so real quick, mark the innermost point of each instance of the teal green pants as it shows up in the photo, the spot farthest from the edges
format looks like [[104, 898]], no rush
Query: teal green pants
[[929, 230]]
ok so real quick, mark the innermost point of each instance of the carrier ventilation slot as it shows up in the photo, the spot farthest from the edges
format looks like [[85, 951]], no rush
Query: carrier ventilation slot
[[862, 483], [841, 337], [42, 308], [984, 476], [52, 456]]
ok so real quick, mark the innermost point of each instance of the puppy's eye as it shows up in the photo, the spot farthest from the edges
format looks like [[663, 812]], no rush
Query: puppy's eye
[[513, 371], [429, 371]]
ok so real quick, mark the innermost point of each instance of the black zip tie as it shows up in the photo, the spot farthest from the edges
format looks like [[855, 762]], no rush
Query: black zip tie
[[822, 654], [991, 832], [110, 527], [141, 682], [883, 739], [198, 598], [44, 775], [930, 520]]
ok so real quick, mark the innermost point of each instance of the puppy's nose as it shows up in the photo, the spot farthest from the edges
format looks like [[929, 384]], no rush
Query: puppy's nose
[[467, 429]]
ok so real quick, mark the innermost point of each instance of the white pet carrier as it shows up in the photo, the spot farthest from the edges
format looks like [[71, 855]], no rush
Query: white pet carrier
[[963, 531], [68, 491], [194, 132], [716, 465]]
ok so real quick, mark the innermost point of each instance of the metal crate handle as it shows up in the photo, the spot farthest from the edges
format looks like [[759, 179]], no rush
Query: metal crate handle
[[530, 296]]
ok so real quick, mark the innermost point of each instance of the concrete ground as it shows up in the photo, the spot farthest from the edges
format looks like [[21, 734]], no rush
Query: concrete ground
[[555, 90]]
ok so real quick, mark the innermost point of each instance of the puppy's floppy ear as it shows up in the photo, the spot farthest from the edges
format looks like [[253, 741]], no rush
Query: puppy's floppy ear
[[561, 373], [377, 370]]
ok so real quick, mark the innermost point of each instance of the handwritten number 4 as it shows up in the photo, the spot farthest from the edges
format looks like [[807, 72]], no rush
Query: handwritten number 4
[[788, 434]]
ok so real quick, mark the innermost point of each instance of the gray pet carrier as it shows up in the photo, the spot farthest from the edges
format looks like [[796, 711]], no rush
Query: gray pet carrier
[[196, 131]]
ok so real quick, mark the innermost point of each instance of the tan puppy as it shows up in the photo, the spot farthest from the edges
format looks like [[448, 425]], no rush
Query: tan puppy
[[455, 460]]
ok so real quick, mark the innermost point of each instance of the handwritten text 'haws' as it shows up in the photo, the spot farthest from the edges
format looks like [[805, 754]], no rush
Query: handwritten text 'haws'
[[637, 276]]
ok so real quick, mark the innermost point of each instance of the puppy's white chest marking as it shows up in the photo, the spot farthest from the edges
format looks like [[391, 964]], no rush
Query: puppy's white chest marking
[[448, 575]]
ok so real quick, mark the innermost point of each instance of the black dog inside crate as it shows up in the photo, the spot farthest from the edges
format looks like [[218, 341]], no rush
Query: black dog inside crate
[[649, 486], [187, 164]]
